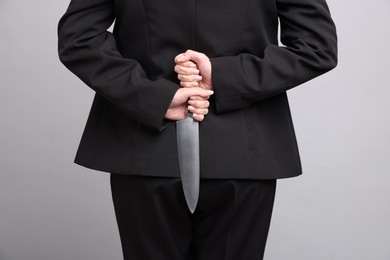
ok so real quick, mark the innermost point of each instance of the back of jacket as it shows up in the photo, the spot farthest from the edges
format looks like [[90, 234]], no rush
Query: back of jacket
[[248, 132]]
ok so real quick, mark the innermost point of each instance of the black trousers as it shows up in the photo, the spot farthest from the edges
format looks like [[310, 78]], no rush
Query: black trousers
[[231, 221]]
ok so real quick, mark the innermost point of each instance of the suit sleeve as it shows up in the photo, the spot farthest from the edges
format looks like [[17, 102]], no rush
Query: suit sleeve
[[87, 49], [310, 49]]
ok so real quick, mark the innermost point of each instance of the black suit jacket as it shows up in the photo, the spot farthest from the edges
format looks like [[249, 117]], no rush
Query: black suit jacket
[[248, 132]]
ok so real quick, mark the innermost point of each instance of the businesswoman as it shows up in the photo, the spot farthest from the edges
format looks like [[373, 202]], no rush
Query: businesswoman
[[144, 84]]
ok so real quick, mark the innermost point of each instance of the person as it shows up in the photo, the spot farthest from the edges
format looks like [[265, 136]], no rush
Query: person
[[219, 60]]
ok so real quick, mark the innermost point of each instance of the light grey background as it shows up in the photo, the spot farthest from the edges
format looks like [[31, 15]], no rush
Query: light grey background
[[52, 209]]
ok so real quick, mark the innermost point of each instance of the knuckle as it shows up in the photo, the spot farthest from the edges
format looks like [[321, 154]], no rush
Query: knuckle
[[188, 71], [183, 71]]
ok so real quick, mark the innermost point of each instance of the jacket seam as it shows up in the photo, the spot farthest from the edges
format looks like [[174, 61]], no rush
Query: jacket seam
[[149, 41], [244, 24]]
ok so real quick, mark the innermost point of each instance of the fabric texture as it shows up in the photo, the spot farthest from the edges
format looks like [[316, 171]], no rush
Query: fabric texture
[[231, 220], [248, 132]]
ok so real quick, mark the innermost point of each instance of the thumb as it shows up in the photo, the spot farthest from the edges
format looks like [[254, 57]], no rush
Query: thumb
[[190, 55], [197, 57], [182, 58]]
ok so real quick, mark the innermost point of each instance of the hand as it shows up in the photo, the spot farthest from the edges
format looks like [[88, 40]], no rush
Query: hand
[[188, 74], [199, 107], [179, 108], [191, 76]]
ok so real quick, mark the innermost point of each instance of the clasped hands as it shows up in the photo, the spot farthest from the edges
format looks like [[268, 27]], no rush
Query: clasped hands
[[194, 72]]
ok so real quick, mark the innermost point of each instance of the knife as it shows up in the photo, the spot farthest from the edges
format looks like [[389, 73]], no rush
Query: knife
[[187, 132]]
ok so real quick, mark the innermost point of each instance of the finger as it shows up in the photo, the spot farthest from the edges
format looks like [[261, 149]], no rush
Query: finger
[[182, 58], [189, 85], [197, 117], [185, 70], [188, 92], [188, 64], [189, 78], [198, 98], [199, 111], [190, 55], [199, 103], [195, 56]]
